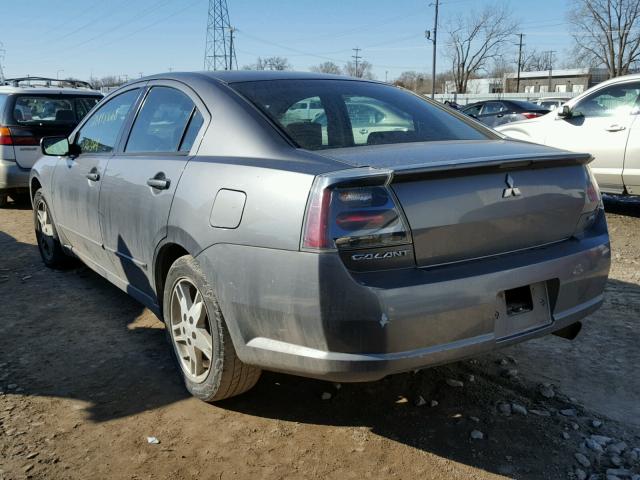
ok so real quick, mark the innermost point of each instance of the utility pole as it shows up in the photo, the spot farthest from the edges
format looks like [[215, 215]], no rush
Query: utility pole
[[550, 53], [232, 52], [519, 62], [2, 53], [357, 58], [219, 53], [433, 37]]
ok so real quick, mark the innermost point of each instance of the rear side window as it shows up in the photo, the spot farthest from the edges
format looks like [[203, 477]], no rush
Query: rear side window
[[51, 109], [100, 133], [192, 131], [318, 114], [161, 123]]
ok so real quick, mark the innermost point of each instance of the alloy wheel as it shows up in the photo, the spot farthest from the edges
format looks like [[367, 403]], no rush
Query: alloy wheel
[[46, 240], [191, 330]]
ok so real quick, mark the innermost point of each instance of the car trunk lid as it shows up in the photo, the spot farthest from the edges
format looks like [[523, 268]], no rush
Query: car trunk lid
[[467, 200]]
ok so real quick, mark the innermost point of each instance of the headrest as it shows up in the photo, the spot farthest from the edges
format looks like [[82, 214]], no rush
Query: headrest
[[306, 134]]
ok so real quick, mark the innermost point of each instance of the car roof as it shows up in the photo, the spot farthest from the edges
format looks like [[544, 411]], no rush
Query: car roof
[[235, 76], [50, 90]]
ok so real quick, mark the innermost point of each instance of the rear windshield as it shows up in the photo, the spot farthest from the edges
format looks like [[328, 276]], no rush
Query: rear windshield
[[320, 114], [3, 101], [52, 110]]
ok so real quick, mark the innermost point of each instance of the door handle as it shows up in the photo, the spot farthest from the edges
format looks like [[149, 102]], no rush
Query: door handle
[[159, 181], [615, 128], [93, 176]]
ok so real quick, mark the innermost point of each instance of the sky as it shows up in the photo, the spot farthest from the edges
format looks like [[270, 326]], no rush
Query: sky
[[95, 38]]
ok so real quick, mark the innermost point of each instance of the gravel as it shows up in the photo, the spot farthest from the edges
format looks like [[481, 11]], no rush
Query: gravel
[[477, 435], [582, 459], [455, 383]]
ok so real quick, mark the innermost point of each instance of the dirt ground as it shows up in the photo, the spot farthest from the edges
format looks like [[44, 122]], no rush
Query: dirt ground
[[86, 376]]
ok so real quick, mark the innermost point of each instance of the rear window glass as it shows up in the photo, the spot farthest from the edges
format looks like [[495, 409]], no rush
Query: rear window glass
[[52, 110], [526, 105], [3, 101], [320, 114]]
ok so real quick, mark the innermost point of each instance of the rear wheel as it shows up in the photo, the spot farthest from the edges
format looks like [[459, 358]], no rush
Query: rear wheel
[[49, 245], [198, 333]]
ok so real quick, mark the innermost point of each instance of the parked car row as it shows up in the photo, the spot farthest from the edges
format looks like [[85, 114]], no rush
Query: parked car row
[[328, 227], [32, 108]]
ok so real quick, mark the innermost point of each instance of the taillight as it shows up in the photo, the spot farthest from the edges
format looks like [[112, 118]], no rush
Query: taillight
[[347, 218], [23, 136], [530, 115], [5, 136], [592, 203], [17, 136]]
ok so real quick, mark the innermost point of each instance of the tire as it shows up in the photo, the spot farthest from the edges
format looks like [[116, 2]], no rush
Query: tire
[[196, 328], [4, 199], [51, 250]]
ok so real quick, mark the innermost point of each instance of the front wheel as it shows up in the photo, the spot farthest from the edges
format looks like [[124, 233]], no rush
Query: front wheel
[[198, 333], [49, 245]]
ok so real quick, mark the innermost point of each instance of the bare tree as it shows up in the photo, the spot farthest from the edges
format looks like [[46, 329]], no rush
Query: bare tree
[[608, 32], [327, 67], [365, 70], [414, 81], [476, 39], [535, 61], [269, 63]]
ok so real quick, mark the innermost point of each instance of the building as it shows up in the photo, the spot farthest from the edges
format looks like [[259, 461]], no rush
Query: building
[[569, 80], [477, 86]]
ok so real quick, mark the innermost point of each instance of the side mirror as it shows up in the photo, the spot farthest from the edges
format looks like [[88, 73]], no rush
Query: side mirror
[[565, 112], [58, 147]]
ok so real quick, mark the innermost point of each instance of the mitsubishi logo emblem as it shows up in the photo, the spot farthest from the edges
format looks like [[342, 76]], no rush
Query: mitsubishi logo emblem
[[511, 190]]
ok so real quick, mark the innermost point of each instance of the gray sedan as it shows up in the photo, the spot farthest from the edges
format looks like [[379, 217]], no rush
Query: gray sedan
[[320, 245]]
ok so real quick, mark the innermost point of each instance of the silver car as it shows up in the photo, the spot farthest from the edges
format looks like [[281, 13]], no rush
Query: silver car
[[265, 244]]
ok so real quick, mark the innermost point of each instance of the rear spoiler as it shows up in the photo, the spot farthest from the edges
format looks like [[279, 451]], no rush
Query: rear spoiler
[[489, 164]]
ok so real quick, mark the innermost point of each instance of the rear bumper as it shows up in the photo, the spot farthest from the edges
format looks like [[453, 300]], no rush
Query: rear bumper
[[12, 177], [305, 314]]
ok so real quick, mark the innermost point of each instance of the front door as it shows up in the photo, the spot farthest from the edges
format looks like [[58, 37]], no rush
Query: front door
[[600, 125], [140, 181], [77, 180]]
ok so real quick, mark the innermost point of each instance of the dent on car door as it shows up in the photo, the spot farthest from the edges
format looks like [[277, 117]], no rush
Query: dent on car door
[[600, 125], [77, 179], [140, 182]]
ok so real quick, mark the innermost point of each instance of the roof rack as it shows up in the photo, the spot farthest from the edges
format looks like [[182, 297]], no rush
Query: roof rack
[[45, 82]]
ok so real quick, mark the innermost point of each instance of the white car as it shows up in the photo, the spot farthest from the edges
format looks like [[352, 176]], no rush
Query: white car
[[600, 121]]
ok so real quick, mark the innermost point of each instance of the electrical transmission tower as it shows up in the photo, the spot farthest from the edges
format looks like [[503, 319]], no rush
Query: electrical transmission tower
[[219, 52]]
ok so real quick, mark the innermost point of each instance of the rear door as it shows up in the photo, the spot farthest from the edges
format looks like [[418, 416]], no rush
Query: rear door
[[77, 180], [141, 179], [34, 116], [600, 125], [491, 113]]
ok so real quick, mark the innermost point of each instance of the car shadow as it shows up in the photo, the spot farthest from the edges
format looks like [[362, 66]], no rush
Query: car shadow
[[83, 339]]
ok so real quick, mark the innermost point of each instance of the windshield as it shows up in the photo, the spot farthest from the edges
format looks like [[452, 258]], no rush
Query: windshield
[[320, 114], [52, 110]]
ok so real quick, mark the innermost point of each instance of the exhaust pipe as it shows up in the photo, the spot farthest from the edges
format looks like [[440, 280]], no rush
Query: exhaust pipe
[[569, 332]]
